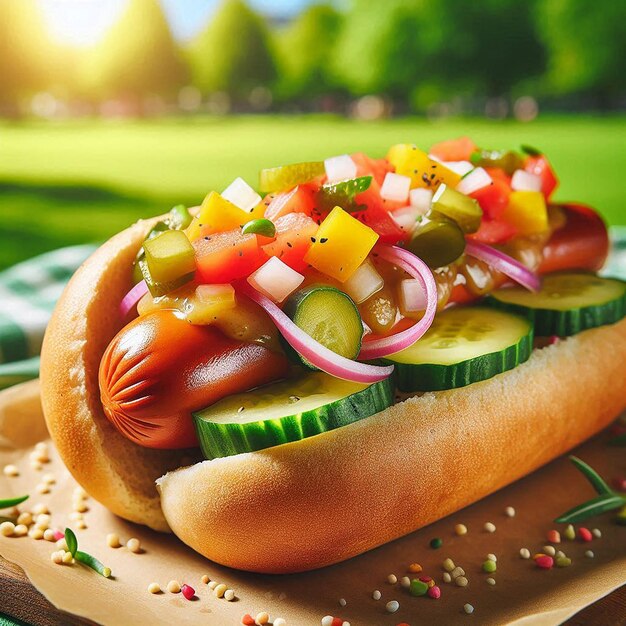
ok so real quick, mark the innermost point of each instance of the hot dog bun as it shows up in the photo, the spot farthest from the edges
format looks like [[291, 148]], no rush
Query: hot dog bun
[[318, 501]]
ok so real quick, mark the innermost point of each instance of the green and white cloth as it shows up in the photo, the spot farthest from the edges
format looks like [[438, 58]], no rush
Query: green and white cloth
[[29, 290]]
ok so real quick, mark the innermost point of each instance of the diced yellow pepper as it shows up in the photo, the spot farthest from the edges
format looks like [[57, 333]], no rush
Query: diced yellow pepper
[[423, 171], [216, 215], [341, 244], [527, 211]]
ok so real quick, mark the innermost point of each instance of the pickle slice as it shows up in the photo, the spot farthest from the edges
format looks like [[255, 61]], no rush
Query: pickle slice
[[288, 176]]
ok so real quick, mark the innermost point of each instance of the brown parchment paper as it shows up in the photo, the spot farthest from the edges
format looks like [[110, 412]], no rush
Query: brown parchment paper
[[523, 594]]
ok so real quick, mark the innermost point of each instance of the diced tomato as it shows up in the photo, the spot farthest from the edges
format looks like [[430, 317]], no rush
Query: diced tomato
[[365, 166], [493, 231], [493, 198], [293, 239], [300, 199], [454, 150], [224, 257], [540, 166], [381, 222]]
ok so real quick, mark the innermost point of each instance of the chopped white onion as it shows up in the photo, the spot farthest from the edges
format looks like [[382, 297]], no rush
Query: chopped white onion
[[440, 191], [207, 293], [412, 295], [475, 180], [365, 282], [421, 199], [275, 279], [406, 218], [525, 181], [458, 167], [340, 168], [241, 195], [395, 187]]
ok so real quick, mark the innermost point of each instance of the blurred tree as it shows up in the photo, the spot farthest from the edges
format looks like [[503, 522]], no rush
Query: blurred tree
[[232, 55], [24, 51], [138, 56], [587, 46], [305, 51]]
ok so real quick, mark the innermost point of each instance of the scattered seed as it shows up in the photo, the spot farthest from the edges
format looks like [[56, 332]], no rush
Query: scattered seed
[[43, 519], [509, 511], [549, 550], [188, 592], [25, 518], [342, 602], [446, 577], [589, 554], [392, 579], [205, 579], [35, 533], [36, 465], [597, 533], [415, 568], [490, 581], [392, 606], [229, 595], [173, 586], [220, 590], [113, 540], [57, 557], [49, 479], [7, 529], [492, 557], [468, 608], [134, 545], [75, 516], [68, 558], [460, 529], [490, 527], [61, 544], [489, 566], [559, 554], [554, 536], [279, 621], [563, 561], [79, 493], [405, 582], [248, 620], [456, 572], [569, 532], [434, 592], [418, 588], [80, 507], [49, 534], [461, 581], [448, 564], [584, 534], [81, 525], [544, 561], [262, 618], [213, 584], [11, 471], [524, 553], [20, 530], [38, 509], [436, 543], [154, 588], [376, 594]]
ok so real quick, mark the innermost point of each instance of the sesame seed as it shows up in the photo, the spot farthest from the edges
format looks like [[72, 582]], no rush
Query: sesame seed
[[220, 590], [205, 579], [461, 581], [7, 529], [342, 602], [597, 533], [134, 545], [113, 540], [11, 471], [173, 586], [376, 594], [229, 596], [446, 577], [549, 550], [405, 582], [509, 511], [492, 557], [448, 564], [460, 529], [490, 581], [589, 554], [392, 579], [468, 608], [392, 606], [154, 588]]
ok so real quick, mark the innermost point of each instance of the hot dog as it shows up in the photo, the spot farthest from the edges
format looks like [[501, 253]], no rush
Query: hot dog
[[234, 356]]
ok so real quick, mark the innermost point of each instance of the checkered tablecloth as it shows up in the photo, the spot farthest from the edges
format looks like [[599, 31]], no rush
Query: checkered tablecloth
[[29, 290]]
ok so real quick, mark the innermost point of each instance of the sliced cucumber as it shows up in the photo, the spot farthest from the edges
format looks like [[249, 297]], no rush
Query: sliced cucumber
[[286, 411], [329, 316], [568, 303], [463, 346]]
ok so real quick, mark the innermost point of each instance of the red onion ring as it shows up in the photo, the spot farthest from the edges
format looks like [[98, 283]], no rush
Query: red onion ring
[[407, 261], [321, 356], [132, 297], [504, 263]]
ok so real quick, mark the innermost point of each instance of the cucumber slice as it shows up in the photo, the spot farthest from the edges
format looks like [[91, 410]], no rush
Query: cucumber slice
[[287, 176], [568, 303], [463, 346], [330, 317], [286, 411]]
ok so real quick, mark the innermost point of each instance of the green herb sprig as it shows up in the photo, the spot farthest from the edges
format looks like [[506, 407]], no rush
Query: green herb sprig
[[83, 557], [9, 502], [607, 499]]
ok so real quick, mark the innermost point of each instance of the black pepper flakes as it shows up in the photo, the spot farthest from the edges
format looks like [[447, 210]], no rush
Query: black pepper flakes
[[323, 239], [313, 240]]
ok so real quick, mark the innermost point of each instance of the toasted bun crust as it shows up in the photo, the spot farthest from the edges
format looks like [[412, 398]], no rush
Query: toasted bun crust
[[116, 472], [319, 501]]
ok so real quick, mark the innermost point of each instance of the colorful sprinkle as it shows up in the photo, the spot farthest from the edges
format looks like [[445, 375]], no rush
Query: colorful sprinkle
[[524, 553], [436, 543], [569, 533], [418, 588], [489, 566], [492, 557], [392, 579], [415, 568], [589, 554], [154, 588], [468, 608], [376, 594], [457, 571], [434, 592], [490, 581], [460, 529], [405, 582], [563, 561], [446, 577], [549, 550], [544, 561], [597, 533], [392, 606], [342, 602], [461, 581], [448, 564], [554, 536], [188, 592], [490, 527], [248, 620], [584, 534], [509, 511]]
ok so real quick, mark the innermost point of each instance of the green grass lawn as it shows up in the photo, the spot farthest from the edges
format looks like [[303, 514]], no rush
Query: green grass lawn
[[70, 182]]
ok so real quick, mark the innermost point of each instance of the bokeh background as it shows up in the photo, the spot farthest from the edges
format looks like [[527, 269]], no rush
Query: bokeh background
[[111, 110]]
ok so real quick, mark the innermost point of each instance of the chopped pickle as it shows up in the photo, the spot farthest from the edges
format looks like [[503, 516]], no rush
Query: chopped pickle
[[179, 217], [380, 311], [444, 278], [507, 161], [169, 256], [465, 211], [288, 176], [343, 194], [438, 241], [262, 226]]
